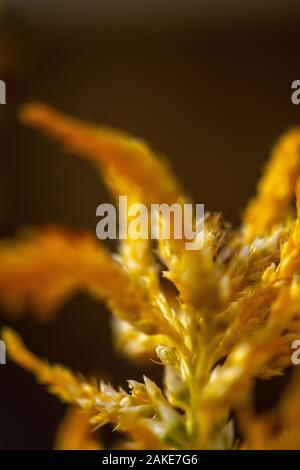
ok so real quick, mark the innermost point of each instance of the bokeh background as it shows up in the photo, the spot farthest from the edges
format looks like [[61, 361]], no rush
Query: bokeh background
[[208, 83]]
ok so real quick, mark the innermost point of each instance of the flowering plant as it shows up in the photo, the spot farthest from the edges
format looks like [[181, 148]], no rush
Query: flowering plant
[[232, 319]]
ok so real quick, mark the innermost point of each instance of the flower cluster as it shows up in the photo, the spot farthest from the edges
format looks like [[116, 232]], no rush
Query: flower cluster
[[231, 319]]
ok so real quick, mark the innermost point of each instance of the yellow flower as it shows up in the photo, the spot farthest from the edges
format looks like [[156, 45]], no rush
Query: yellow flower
[[232, 319]]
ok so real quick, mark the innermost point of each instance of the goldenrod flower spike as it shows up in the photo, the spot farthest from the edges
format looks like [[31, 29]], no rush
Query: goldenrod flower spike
[[267, 321], [60, 381], [129, 166], [276, 188], [108, 150], [144, 403], [44, 268]]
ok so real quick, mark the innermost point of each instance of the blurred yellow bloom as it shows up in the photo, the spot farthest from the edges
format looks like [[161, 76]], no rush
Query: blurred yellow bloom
[[75, 432], [231, 319]]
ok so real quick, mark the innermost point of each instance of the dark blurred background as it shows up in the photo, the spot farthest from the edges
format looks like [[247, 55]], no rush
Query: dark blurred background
[[208, 83]]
